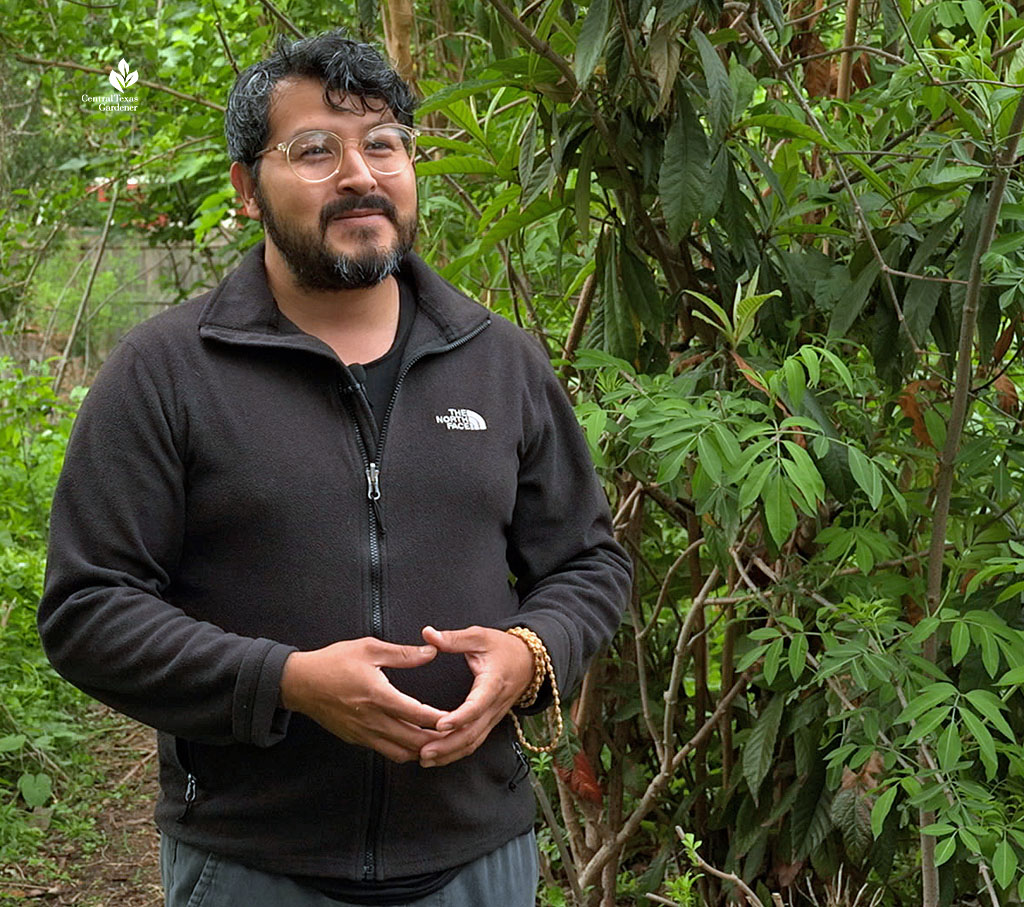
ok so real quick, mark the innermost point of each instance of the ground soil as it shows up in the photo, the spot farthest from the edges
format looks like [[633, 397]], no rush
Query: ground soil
[[115, 865]]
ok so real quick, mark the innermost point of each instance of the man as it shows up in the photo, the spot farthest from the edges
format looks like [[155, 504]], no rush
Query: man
[[275, 492]]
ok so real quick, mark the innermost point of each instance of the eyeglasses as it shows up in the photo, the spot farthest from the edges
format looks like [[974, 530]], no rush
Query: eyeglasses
[[316, 156]]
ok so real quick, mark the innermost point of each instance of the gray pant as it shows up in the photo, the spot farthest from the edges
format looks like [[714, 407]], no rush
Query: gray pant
[[195, 878]]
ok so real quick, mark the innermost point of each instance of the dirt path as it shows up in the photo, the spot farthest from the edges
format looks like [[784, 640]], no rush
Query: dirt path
[[117, 865]]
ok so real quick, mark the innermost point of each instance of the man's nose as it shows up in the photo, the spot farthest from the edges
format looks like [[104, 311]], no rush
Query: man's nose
[[354, 174]]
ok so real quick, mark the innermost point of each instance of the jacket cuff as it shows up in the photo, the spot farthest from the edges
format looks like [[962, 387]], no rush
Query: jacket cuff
[[257, 717], [559, 651]]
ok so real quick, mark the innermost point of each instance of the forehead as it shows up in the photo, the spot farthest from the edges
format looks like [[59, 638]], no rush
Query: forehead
[[298, 104]]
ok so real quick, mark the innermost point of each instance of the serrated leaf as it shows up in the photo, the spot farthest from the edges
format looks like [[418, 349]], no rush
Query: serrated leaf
[[720, 99], [590, 43], [880, 810], [760, 746], [684, 170], [664, 54]]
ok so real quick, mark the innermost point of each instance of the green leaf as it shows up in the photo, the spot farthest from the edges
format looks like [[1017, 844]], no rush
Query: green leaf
[[851, 303], [590, 43], [865, 474], [927, 723], [454, 163], [720, 99], [960, 641], [456, 92], [990, 706], [778, 509], [750, 490], [880, 810], [12, 743], [986, 745], [774, 122], [764, 633], [684, 170], [948, 748], [945, 849], [797, 656], [36, 789], [759, 749], [928, 698], [1004, 863], [772, 660]]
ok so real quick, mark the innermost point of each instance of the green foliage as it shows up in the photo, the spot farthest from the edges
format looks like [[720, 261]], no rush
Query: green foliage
[[768, 284], [40, 736]]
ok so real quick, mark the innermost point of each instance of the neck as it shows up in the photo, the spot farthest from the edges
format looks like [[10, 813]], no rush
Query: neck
[[359, 325]]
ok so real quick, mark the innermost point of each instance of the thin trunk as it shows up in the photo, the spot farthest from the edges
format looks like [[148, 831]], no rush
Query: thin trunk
[[398, 21], [59, 378], [846, 60], [958, 416]]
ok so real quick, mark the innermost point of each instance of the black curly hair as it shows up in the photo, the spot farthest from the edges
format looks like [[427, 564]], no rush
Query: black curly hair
[[344, 66]]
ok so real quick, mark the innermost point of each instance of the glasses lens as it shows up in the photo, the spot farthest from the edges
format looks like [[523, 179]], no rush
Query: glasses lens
[[315, 156], [388, 149]]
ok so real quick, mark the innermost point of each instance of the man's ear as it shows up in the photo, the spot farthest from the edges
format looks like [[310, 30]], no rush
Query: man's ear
[[245, 186]]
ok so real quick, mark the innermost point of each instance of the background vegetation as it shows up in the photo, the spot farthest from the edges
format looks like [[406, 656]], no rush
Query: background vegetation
[[774, 251]]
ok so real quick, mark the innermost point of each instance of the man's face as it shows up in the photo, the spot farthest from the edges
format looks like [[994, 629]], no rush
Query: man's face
[[349, 231]]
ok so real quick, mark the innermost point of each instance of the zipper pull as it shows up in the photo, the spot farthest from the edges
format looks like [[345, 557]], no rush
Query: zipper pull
[[190, 795], [373, 482], [522, 770], [373, 493]]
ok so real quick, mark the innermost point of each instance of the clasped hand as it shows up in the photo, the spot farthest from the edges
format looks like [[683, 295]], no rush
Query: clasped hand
[[343, 688]]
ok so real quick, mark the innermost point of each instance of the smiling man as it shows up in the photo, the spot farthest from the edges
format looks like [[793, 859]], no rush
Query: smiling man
[[276, 492]]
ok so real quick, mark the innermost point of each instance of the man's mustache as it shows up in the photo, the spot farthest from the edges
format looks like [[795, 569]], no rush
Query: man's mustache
[[342, 206]]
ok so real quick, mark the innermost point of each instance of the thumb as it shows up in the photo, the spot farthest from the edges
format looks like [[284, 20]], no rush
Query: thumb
[[452, 640], [391, 655]]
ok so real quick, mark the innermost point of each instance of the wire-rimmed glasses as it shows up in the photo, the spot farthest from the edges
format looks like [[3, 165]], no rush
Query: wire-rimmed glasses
[[316, 155]]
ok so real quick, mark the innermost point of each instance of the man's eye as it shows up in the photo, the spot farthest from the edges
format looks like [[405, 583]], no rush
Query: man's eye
[[314, 151]]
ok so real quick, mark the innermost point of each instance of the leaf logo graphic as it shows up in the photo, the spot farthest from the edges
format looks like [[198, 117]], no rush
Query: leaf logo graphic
[[121, 78]]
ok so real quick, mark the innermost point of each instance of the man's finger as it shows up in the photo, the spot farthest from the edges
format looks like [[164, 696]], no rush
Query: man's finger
[[392, 655], [399, 705], [468, 640], [479, 699]]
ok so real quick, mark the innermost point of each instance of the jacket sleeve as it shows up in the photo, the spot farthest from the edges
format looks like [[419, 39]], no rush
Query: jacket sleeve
[[573, 578], [116, 531]]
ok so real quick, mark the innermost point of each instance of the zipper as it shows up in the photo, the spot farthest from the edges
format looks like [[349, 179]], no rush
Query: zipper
[[372, 457]]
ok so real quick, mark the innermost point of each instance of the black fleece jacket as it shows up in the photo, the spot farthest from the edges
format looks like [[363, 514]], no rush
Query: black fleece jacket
[[214, 515]]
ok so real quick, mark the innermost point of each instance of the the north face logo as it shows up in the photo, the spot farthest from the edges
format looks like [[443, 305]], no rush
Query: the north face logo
[[463, 420]]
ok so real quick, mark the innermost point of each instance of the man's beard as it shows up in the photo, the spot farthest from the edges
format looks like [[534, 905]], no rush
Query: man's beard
[[315, 266]]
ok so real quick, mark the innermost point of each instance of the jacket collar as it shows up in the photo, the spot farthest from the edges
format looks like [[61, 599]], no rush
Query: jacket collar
[[242, 310]]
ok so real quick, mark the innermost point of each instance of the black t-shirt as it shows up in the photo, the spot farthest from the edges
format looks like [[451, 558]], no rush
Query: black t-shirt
[[381, 375]]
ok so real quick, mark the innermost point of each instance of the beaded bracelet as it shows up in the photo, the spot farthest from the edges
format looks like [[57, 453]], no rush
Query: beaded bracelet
[[542, 668]]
